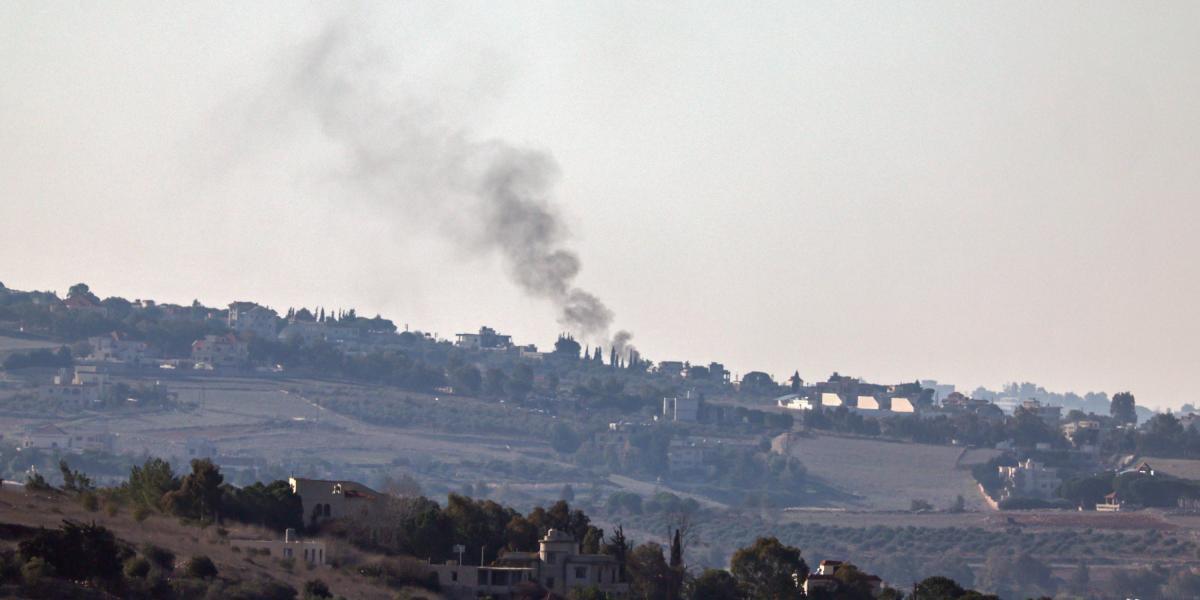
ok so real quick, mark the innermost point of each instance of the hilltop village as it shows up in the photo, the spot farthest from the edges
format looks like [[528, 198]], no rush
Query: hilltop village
[[346, 420]]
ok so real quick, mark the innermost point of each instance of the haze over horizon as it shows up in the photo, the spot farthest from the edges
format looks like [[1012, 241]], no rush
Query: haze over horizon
[[970, 193]]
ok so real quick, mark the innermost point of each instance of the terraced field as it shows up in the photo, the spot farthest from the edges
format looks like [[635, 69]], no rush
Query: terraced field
[[11, 344], [1179, 467], [889, 475]]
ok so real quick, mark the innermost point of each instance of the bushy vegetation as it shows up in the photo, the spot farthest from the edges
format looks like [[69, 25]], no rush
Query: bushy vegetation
[[1023, 427], [60, 358], [418, 526], [80, 560], [201, 495]]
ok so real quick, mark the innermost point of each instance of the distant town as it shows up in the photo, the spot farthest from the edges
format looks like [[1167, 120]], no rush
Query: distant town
[[326, 438]]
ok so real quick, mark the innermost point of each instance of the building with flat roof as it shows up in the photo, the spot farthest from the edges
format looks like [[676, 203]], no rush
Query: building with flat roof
[[323, 500], [558, 566], [685, 410], [312, 552]]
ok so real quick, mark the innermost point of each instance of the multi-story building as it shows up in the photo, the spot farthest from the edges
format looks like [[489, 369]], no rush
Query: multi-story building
[[672, 368], [558, 566], [1029, 479], [685, 410], [1050, 414], [248, 317], [486, 339], [220, 351], [73, 390], [323, 499], [117, 347]]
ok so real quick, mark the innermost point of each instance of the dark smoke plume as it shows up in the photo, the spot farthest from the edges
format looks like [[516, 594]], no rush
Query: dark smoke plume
[[488, 196]]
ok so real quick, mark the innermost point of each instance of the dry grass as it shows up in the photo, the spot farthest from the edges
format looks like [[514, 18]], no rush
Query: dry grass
[[888, 475], [1179, 467], [11, 344], [49, 509]]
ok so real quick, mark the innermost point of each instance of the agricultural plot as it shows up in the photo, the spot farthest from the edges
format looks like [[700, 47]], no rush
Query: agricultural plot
[[888, 475], [1179, 467], [9, 345]]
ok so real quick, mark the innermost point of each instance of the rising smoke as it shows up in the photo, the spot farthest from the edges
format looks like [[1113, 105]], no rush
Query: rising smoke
[[489, 197]]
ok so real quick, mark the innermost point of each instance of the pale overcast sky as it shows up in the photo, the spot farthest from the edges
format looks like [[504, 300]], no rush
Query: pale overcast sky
[[967, 191]]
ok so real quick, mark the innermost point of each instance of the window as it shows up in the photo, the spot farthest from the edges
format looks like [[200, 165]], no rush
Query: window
[[550, 582], [453, 575], [580, 572], [327, 510]]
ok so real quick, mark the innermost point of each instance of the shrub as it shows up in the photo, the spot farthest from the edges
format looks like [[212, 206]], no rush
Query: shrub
[[34, 482], [165, 559], [188, 589], [259, 589], [77, 551], [140, 513], [315, 588], [90, 502], [1032, 503], [35, 570], [137, 567], [200, 567]]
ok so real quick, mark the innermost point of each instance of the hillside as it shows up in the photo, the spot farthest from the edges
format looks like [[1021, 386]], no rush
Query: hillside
[[49, 509], [885, 475]]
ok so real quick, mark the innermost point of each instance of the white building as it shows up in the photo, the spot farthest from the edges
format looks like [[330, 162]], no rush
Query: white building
[[794, 402], [1029, 479]]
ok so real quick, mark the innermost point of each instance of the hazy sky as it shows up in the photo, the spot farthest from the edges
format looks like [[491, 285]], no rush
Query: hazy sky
[[972, 192]]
